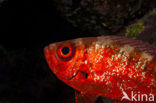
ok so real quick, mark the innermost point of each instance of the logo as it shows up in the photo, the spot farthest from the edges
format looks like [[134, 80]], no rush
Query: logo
[[137, 96]]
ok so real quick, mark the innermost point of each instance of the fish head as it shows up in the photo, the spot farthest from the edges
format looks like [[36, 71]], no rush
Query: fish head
[[65, 58]]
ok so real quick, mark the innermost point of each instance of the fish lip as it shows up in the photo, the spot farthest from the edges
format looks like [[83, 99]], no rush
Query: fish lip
[[73, 76], [81, 72]]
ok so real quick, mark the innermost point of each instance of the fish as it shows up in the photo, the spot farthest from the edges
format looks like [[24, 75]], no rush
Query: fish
[[114, 67]]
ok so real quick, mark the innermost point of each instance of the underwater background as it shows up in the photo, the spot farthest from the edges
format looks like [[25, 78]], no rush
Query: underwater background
[[27, 26]]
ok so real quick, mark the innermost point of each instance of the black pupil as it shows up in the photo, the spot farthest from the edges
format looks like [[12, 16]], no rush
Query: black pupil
[[65, 50]]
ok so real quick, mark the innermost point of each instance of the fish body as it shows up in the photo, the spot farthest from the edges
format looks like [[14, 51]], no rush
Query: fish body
[[107, 66]]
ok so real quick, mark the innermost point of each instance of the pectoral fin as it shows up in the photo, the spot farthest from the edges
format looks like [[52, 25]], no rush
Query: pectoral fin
[[81, 97]]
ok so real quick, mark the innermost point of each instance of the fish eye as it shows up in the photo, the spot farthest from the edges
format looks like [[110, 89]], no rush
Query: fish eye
[[65, 52]]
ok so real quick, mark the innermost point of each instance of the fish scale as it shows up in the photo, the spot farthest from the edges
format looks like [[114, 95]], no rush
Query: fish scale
[[107, 66]]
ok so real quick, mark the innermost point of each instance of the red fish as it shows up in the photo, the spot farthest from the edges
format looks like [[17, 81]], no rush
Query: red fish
[[109, 66]]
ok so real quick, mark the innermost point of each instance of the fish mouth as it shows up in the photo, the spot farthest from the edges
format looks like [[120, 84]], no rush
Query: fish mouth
[[81, 74], [73, 76]]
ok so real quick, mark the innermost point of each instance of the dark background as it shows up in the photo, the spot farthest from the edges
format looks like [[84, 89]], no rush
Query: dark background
[[26, 27], [24, 24]]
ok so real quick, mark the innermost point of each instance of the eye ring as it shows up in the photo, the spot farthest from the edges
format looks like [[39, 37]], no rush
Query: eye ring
[[65, 52]]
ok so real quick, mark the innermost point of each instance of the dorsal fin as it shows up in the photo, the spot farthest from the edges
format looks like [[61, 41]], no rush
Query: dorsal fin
[[137, 44]]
